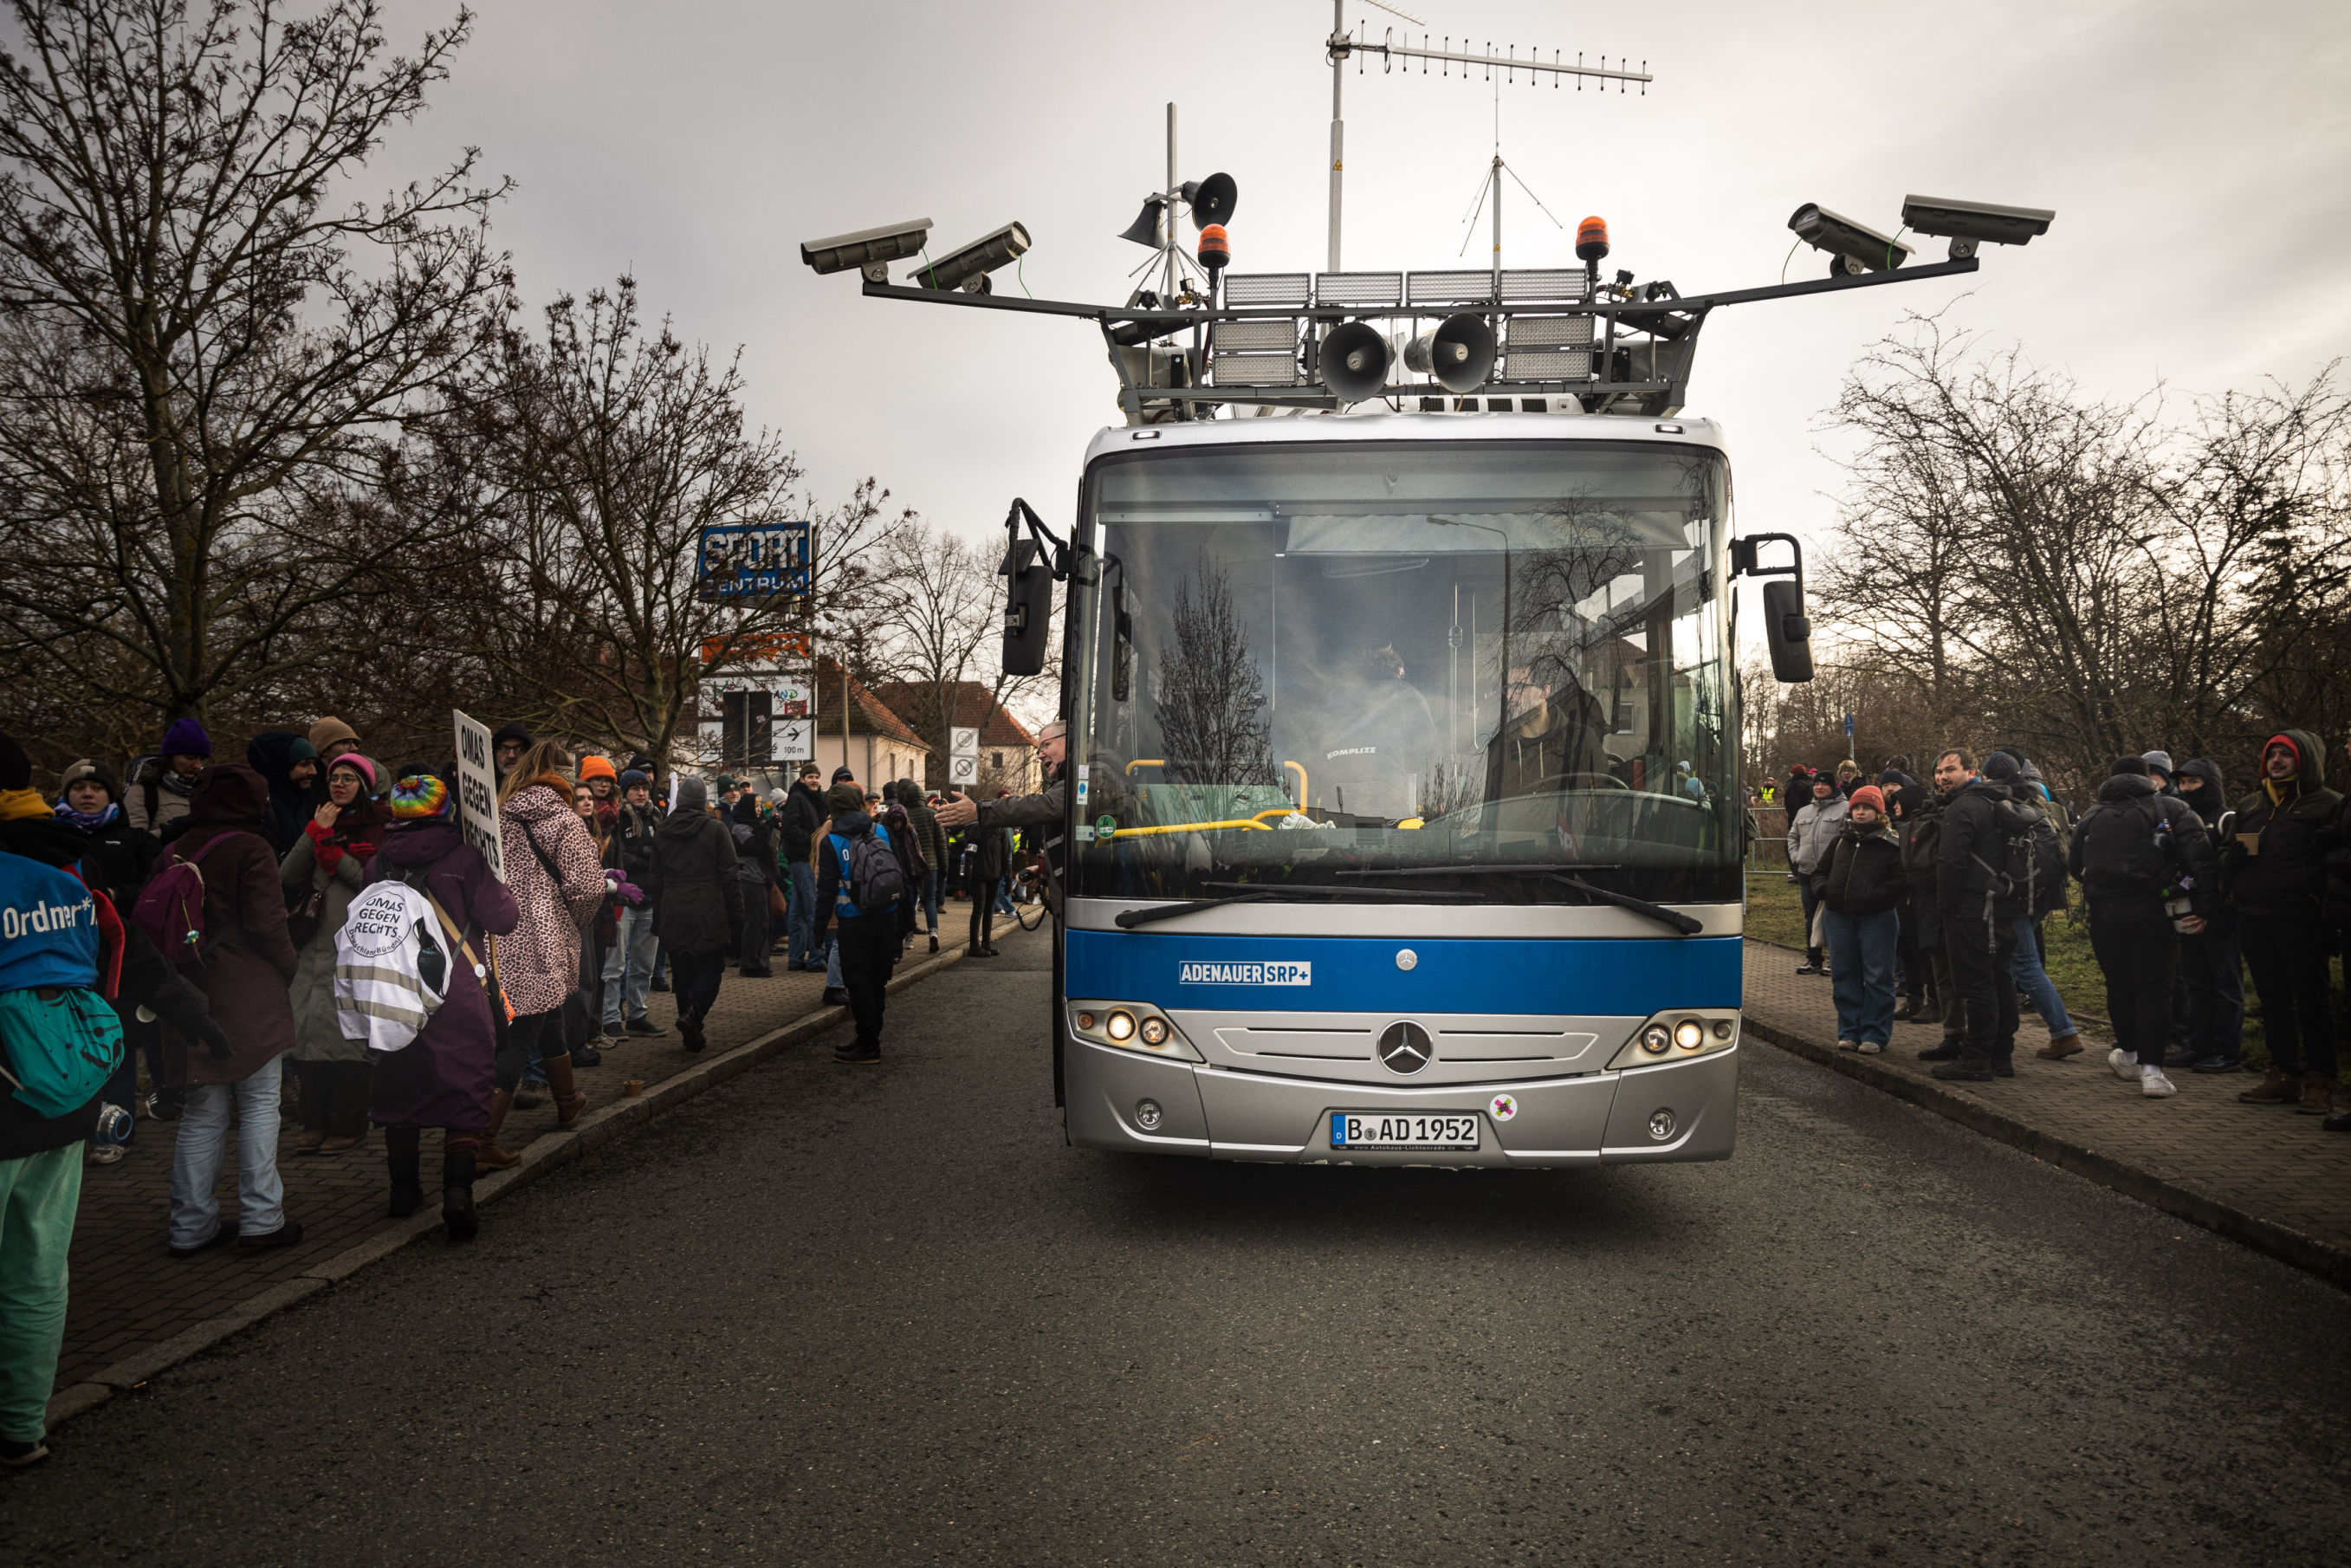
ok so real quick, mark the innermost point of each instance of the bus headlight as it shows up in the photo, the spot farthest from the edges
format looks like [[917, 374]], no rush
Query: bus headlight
[[1679, 1035], [1129, 1026]]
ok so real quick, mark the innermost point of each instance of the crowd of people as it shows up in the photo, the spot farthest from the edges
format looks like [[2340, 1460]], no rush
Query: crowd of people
[[1926, 900], [202, 900]]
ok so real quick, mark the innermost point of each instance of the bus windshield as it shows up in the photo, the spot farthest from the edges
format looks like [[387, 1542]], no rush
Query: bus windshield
[[1488, 668]]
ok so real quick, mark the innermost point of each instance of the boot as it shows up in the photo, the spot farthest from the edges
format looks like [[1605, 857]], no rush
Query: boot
[[457, 1195], [1965, 1070], [1931, 1013], [407, 1181], [1948, 1051], [569, 1098], [1909, 1009], [490, 1157], [2317, 1096], [2061, 1046], [2274, 1089]]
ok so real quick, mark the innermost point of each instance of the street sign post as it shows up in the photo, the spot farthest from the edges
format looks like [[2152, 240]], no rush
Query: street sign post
[[794, 739], [477, 790], [753, 560], [963, 755]]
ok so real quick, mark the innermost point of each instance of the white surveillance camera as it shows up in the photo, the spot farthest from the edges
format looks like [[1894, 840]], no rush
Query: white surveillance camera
[[967, 268], [870, 250], [1854, 248]]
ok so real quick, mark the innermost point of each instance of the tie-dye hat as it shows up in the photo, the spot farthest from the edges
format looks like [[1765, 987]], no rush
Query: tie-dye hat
[[418, 796]]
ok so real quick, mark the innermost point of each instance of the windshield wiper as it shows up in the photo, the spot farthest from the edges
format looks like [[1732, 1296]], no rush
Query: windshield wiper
[[1556, 871], [1674, 918], [1128, 919]]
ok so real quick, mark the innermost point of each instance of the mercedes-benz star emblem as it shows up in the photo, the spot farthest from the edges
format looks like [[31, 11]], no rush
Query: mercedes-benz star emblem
[[1404, 1047]]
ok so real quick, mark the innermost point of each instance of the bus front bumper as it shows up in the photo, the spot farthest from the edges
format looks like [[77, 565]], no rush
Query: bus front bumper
[[1674, 1112]]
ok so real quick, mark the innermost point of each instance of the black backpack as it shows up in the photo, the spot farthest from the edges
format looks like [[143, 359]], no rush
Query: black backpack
[[2122, 852], [2030, 862], [876, 880]]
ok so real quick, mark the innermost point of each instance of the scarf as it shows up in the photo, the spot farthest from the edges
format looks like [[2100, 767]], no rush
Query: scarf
[[175, 784], [19, 803], [88, 822], [608, 817], [2281, 789]]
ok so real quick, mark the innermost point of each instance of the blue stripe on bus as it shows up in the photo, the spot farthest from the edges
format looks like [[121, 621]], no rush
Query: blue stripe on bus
[[1359, 973]]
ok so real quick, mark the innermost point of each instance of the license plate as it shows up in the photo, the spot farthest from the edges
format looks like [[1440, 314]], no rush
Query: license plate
[[1389, 1130]]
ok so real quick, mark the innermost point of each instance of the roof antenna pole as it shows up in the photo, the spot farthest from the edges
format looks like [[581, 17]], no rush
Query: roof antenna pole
[[1337, 46]]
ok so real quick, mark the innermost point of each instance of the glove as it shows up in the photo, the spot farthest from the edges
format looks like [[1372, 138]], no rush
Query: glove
[[216, 1045]]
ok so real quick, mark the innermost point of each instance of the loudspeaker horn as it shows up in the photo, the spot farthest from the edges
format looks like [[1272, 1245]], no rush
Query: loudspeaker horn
[[1459, 353], [1144, 229], [1354, 360], [1212, 199]]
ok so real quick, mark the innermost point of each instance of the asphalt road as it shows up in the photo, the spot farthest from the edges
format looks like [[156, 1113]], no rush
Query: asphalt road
[[883, 1315]]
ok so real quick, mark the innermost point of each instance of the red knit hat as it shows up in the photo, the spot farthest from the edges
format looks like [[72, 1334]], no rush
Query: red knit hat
[[1871, 796]]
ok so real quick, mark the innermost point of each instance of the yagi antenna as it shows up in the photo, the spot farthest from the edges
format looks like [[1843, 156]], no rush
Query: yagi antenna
[[1499, 65]]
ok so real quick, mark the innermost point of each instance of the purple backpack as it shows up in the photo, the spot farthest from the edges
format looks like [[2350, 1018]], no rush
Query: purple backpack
[[171, 907]]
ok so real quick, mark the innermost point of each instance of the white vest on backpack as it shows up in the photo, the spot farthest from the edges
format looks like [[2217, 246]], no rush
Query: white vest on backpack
[[379, 996]]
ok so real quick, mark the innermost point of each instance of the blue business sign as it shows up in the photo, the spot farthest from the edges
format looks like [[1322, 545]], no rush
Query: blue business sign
[[753, 560]]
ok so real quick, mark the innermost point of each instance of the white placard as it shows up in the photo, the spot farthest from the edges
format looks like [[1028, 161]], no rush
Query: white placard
[[794, 739], [962, 742], [477, 790]]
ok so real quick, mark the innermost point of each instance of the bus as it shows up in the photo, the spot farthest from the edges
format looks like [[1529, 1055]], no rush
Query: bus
[[1402, 824]]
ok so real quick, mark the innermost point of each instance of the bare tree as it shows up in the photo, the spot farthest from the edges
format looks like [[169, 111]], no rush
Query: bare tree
[[1210, 700], [207, 356]]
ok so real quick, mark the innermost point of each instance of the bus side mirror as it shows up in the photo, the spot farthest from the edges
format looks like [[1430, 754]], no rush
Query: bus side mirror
[[1028, 608], [1786, 631]]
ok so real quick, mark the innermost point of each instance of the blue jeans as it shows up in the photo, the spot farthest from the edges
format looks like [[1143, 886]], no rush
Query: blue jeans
[[1004, 893], [202, 1145], [629, 966], [801, 943], [1861, 973], [833, 967], [2034, 982], [931, 900]]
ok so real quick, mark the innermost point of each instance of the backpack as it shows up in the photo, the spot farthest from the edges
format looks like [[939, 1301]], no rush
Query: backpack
[[2120, 849], [171, 907], [59, 1040], [872, 879], [382, 995], [2036, 863]]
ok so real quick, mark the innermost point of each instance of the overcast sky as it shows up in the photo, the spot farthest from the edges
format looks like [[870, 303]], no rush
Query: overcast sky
[[2197, 157]]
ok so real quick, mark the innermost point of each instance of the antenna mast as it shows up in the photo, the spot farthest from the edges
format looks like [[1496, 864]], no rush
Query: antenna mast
[[1341, 44]]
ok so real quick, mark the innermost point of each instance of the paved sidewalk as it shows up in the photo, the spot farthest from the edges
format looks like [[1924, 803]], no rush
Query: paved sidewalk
[[129, 1295], [2266, 1176]]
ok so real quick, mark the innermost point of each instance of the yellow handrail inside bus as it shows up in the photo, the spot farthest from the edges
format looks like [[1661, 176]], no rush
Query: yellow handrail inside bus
[[1145, 762], [1301, 782], [1196, 827]]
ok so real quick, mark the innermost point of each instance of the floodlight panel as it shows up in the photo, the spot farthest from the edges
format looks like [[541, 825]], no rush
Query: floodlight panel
[[1543, 284], [1547, 348], [1253, 369], [1269, 288], [1453, 287], [1253, 336], [1369, 289]]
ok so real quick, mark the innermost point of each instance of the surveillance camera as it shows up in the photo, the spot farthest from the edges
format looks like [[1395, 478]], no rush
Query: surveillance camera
[[1854, 247], [870, 249], [968, 267], [1966, 223]]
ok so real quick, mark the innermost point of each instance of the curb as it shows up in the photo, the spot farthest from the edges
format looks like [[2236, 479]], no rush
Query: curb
[[2326, 1260], [545, 1152]]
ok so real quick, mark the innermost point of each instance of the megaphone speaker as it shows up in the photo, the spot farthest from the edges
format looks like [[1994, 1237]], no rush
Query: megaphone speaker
[[1354, 362], [1212, 199], [1144, 229], [1459, 353]]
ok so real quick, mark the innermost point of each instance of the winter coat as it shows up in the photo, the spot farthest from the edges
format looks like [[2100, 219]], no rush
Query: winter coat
[[802, 816], [290, 808], [832, 886], [156, 800], [116, 858], [698, 897], [1863, 871], [755, 848], [1972, 852], [444, 1077], [2210, 802], [930, 842], [1814, 833], [2336, 902], [538, 962], [249, 959], [2296, 834], [632, 836], [2116, 837], [991, 852], [318, 1033]]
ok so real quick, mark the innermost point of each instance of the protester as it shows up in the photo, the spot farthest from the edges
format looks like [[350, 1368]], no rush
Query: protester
[[2133, 852], [40, 1157], [289, 764], [1848, 777], [697, 901], [931, 845], [755, 867], [1860, 882], [2275, 867], [1811, 836], [330, 737], [162, 786], [2209, 962], [835, 994], [1978, 908], [557, 882], [1914, 971], [900, 831], [991, 858], [116, 857], [802, 816], [508, 746], [248, 961], [866, 936], [322, 873], [2029, 968], [629, 959], [444, 1078]]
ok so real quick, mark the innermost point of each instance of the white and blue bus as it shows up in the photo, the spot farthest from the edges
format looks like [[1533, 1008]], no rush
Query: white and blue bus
[[1403, 823]]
